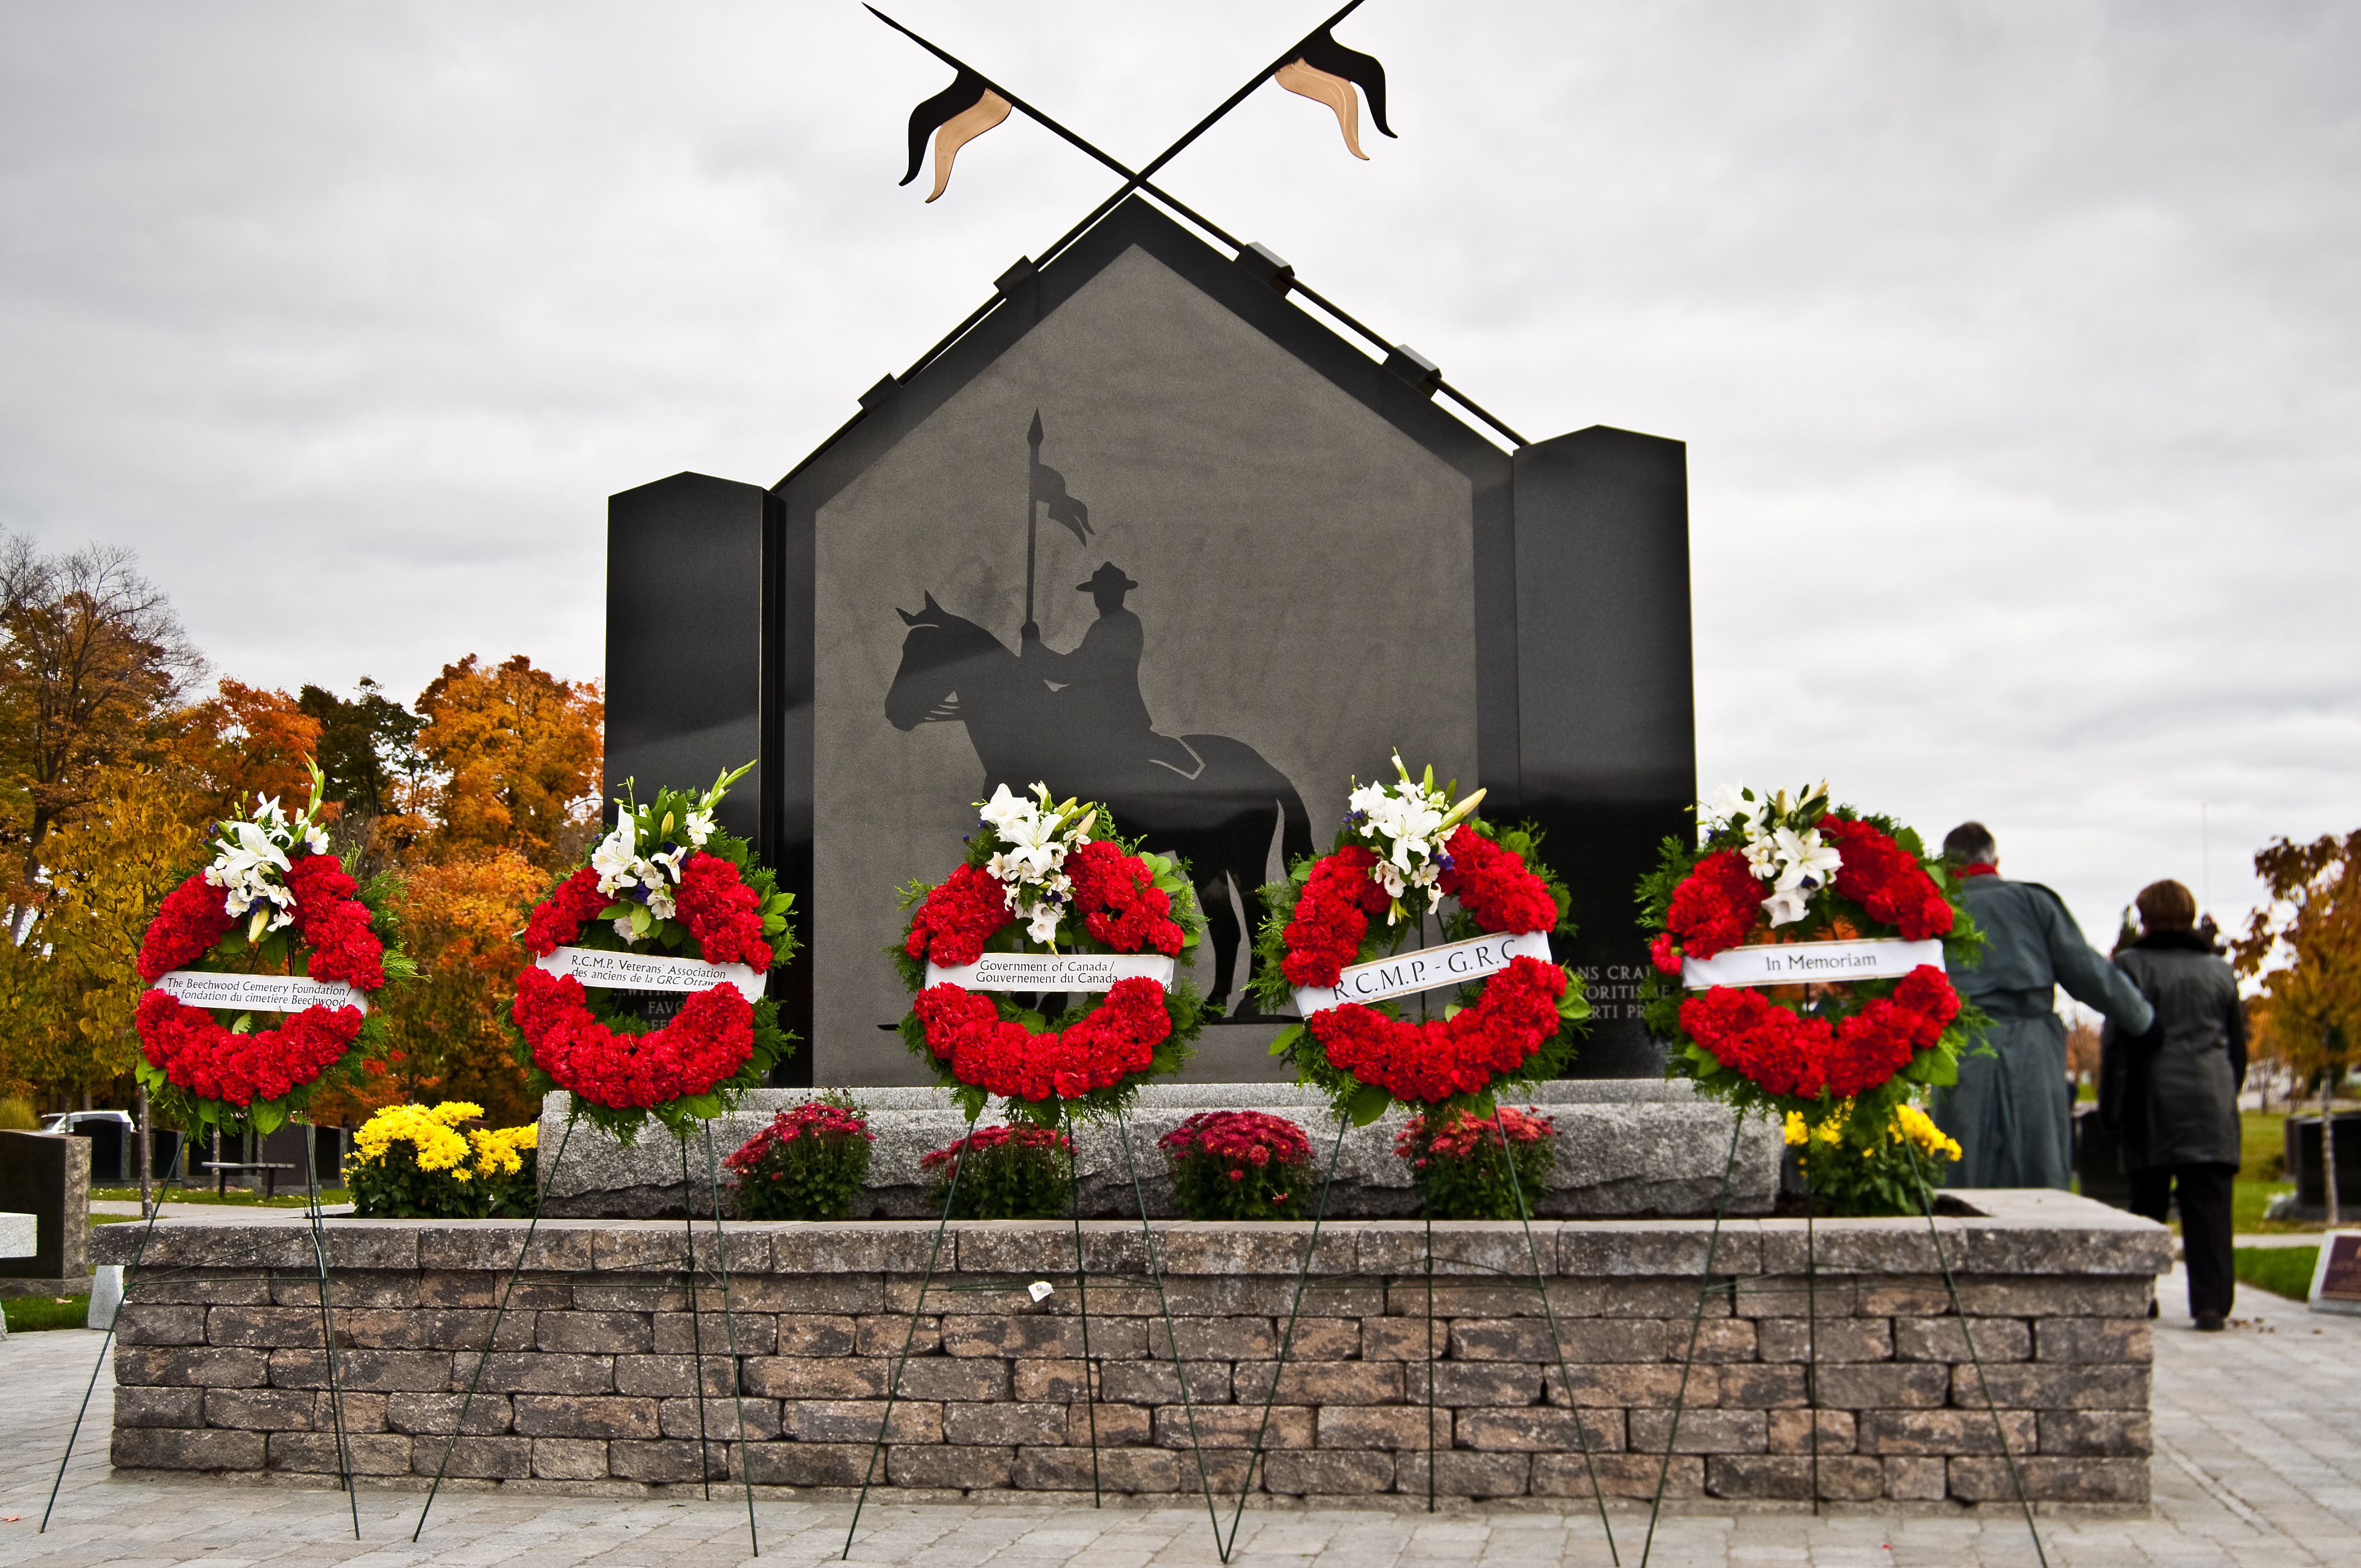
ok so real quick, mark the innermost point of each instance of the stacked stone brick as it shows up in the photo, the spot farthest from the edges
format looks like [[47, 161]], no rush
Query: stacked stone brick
[[593, 1382]]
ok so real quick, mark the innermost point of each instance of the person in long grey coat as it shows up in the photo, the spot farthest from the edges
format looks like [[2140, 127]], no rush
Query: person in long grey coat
[[2171, 1095], [2013, 1111]]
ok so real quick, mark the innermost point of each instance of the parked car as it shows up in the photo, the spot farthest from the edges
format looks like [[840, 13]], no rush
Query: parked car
[[72, 1121]]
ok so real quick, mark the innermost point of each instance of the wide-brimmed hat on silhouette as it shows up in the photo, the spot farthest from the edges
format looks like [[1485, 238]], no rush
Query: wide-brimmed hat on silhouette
[[1108, 575]]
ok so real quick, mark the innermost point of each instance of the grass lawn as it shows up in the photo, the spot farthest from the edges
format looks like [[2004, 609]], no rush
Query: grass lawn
[[233, 1197], [2282, 1270], [31, 1314]]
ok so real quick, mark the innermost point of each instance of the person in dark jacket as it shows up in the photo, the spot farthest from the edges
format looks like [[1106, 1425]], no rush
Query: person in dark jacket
[[2169, 1094], [2013, 1112]]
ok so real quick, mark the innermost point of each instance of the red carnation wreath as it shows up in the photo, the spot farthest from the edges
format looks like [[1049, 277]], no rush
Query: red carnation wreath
[[1402, 850], [666, 878], [1049, 878], [1774, 870], [271, 901]]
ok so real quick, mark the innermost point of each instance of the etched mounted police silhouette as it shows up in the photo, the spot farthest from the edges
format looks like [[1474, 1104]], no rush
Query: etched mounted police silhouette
[[1076, 720]]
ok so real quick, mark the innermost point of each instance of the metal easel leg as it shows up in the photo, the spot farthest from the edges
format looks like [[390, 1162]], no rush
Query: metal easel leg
[[1082, 1287], [1286, 1341], [1950, 1286], [1566, 1377], [328, 1325], [1180, 1367], [106, 1341], [695, 1327], [492, 1337], [951, 1199], [729, 1328], [1696, 1325]]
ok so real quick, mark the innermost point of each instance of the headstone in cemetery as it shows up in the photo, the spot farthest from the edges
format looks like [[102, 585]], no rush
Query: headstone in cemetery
[[2303, 1164], [48, 1174], [1152, 533]]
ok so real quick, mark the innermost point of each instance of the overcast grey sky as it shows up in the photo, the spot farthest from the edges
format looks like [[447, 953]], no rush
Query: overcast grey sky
[[2015, 344]]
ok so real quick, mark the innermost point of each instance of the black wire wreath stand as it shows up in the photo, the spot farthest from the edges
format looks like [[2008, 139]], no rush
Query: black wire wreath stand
[[547, 1178], [1225, 1545], [1706, 1288], [269, 1275], [1090, 1381]]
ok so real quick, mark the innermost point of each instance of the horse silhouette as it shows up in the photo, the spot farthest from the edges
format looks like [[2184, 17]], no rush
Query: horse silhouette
[[1219, 818]]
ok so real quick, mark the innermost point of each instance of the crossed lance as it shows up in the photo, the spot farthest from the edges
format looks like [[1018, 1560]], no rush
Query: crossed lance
[[1315, 67]]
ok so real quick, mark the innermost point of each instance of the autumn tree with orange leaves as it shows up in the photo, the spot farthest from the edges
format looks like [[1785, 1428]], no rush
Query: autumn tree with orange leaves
[[112, 776], [2304, 945]]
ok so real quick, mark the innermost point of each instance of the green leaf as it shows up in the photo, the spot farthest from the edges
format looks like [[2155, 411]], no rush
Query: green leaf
[[1366, 1103], [1285, 1039], [704, 1107], [268, 1115]]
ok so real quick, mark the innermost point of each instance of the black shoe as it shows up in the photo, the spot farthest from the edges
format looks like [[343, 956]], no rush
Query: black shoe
[[2152, 1311], [2210, 1324]]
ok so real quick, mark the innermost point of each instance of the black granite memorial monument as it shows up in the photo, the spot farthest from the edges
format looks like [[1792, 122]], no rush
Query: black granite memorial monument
[[1269, 560]]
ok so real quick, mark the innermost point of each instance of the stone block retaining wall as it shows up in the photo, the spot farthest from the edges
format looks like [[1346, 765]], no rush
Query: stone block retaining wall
[[593, 1384]]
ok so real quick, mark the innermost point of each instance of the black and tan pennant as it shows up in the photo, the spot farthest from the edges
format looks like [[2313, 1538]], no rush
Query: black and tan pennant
[[1327, 71], [954, 117]]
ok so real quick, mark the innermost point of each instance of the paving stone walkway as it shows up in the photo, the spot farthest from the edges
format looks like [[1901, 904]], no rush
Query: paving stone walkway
[[2258, 1461]]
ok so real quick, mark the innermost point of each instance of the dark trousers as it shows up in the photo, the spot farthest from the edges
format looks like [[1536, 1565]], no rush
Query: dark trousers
[[2204, 1194]]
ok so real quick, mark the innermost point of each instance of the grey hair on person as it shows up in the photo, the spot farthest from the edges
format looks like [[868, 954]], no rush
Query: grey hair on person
[[1970, 844]]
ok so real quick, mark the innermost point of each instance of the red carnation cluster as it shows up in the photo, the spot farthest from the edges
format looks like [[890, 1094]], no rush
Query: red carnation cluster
[[1886, 880], [1099, 1050], [722, 913], [334, 925], [186, 928], [1119, 901], [1494, 885], [1332, 916], [958, 914], [1785, 1054], [201, 1057], [559, 918], [1238, 1138], [1430, 1062], [1715, 907], [706, 1043]]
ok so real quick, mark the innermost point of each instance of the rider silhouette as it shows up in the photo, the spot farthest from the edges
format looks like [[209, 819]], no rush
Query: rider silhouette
[[1101, 677]]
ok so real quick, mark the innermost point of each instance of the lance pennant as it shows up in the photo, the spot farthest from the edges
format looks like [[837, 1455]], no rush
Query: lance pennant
[[954, 117], [1327, 71]]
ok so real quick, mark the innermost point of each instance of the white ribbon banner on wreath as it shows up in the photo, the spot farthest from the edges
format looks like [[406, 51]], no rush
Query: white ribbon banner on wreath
[[258, 992], [1052, 972], [1429, 968], [1811, 963], [650, 971]]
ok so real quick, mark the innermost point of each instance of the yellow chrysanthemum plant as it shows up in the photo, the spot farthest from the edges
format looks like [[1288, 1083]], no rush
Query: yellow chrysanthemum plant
[[1861, 1166], [419, 1162]]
